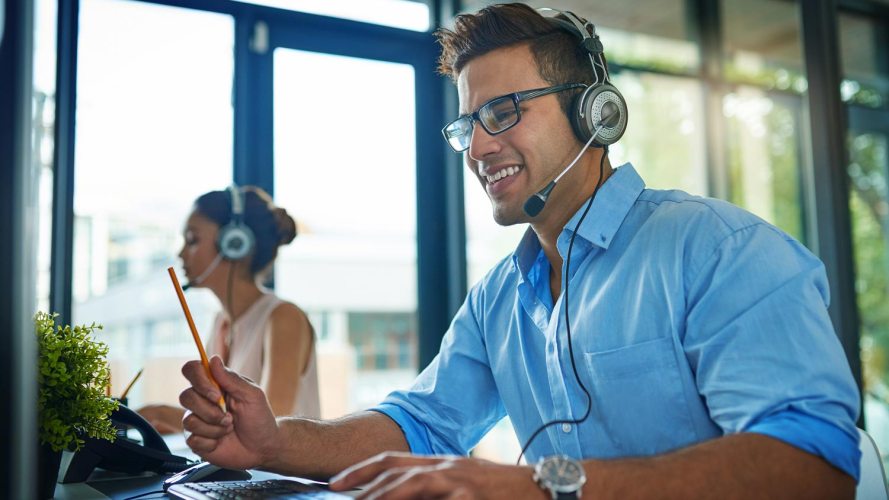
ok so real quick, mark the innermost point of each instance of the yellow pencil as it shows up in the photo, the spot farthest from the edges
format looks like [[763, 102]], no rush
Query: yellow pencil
[[194, 333], [130, 385]]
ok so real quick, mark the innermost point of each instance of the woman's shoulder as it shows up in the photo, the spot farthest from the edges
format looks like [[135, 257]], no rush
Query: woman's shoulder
[[288, 314]]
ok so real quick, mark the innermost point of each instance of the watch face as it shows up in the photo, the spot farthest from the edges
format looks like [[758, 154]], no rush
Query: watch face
[[562, 473]]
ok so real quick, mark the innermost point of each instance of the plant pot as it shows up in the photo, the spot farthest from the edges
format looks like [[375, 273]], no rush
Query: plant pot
[[48, 462]]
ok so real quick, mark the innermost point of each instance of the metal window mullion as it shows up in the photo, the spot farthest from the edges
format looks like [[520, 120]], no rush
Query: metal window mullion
[[829, 221], [61, 259]]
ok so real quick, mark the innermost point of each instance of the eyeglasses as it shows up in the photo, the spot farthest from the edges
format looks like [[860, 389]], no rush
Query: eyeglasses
[[495, 116]]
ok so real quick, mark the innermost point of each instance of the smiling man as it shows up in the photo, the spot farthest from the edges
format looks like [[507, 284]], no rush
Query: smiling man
[[644, 343]]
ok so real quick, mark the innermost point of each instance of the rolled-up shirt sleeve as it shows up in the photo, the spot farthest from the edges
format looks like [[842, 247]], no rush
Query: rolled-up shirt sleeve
[[454, 401], [763, 348]]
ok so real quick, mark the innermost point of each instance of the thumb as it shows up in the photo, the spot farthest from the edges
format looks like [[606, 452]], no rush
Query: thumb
[[229, 381]]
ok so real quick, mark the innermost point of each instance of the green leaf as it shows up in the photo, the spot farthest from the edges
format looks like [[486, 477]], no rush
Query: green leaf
[[73, 374]]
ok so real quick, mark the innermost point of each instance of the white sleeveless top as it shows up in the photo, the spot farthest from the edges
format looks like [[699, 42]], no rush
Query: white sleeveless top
[[250, 345]]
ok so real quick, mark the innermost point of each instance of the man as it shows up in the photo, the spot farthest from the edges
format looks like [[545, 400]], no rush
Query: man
[[698, 359]]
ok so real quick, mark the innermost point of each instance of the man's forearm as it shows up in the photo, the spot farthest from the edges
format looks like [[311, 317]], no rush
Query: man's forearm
[[321, 448], [738, 466]]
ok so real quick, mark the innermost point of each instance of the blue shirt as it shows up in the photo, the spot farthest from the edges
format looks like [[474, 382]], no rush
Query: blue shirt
[[690, 319]]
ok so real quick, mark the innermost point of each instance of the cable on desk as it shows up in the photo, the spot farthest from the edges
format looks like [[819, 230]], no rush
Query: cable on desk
[[156, 492]]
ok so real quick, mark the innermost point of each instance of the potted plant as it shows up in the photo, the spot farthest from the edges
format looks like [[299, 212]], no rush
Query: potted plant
[[73, 379]]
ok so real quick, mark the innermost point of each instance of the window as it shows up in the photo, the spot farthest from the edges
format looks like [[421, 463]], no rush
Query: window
[[762, 44], [865, 88], [154, 131], [345, 168], [665, 131], [407, 14], [763, 151], [866, 81]]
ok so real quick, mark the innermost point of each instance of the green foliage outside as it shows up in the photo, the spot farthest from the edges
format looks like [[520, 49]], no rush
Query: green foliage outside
[[869, 206], [73, 375]]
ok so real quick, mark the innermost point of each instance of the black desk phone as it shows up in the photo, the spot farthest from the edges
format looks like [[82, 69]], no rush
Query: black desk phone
[[125, 454]]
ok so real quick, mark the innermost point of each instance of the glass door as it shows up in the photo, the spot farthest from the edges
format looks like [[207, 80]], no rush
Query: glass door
[[346, 155]]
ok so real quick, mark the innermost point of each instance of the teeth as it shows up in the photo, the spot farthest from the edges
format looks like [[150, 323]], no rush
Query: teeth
[[505, 172]]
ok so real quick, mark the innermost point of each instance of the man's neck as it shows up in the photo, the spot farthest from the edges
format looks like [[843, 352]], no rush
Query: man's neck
[[567, 198]]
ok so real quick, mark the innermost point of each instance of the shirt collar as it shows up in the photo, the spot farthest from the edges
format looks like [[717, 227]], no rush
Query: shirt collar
[[611, 206]]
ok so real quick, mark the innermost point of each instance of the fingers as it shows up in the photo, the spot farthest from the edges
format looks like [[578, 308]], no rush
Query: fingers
[[229, 381], [416, 482], [196, 375], [368, 470], [196, 426], [205, 406], [201, 445]]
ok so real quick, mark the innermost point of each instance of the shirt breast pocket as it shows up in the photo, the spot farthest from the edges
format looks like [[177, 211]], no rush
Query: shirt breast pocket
[[638, 396]]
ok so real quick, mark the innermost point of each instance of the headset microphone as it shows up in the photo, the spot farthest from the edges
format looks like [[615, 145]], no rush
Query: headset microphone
[[200, 279], [535, 203]]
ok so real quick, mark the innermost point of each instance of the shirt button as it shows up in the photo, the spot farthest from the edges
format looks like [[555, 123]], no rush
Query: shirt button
[[566, 428]]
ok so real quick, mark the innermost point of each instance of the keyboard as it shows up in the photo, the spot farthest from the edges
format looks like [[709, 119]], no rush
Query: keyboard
[[270, 488]]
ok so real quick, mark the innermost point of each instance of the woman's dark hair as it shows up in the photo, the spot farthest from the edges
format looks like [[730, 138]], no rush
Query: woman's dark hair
[[557, 52], [272, 226]]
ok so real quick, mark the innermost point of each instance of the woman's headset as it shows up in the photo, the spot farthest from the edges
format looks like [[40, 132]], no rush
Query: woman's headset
[[235, 240], [600, 105]]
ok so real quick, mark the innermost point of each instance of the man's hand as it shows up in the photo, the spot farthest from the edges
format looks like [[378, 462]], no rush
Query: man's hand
[[244, 437], [402, 475]]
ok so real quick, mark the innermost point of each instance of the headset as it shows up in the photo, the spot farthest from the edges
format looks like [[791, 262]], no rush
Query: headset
[[235, 240], [598, 115], [601, 104]]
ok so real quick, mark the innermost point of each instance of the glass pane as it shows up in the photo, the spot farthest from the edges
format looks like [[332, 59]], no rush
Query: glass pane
[[407, 14], [345, 167], [762, 44], [865, 72], [763, 157], [43, 140], [154, 131], [640, 33], [665, 131], [869, 204]]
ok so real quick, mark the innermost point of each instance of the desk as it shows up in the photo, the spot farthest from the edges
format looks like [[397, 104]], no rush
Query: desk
[[106, 484]]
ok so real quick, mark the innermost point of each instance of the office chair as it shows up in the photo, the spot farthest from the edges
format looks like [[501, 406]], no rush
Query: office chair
[[872, 485]]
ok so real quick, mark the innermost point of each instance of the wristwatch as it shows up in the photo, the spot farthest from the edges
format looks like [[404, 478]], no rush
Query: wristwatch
[[561, 476]]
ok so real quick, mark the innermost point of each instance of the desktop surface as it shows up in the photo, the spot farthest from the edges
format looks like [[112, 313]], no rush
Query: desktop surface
[[120, 486]]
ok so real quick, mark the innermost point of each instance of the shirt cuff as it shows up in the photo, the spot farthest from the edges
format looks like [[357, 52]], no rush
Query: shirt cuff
[[415, 433], [813, 435]]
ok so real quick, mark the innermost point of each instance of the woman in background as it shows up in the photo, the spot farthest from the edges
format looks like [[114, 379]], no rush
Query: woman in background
[[231, 240]]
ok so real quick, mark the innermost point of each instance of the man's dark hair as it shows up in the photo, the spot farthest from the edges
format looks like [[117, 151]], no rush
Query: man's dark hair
[[558, 54]]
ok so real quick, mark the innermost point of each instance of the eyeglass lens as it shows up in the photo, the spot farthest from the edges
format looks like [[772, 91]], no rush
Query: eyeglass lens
[[495, 116]]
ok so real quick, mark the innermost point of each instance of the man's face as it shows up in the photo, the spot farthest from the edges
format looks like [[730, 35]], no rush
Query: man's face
[[515, 164]]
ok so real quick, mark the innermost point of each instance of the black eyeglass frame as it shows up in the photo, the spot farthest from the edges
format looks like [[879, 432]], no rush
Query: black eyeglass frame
[[516, 97]]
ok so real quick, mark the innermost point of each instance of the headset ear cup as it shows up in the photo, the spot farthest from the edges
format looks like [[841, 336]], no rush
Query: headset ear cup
[[601, 105], [235, 241]]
